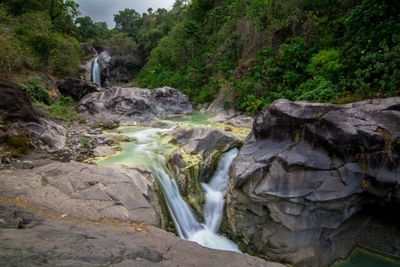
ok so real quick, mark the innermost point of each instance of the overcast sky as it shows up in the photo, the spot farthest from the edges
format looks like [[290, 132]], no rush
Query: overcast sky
[[104, 10]]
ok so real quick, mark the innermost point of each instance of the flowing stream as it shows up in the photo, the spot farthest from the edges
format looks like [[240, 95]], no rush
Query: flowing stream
[[96, 72], [150, 149]]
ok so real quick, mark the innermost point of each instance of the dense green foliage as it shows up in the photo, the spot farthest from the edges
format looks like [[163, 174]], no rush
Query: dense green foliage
[[261, 50], [39, 35]]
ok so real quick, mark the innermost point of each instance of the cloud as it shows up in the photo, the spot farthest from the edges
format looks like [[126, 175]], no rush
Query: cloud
[[104, 10]]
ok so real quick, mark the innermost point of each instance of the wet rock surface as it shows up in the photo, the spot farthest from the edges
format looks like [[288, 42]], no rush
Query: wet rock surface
[[134, 106], [305, 173]]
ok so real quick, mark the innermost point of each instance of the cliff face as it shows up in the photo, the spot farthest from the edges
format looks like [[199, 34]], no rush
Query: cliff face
[[307, 175]]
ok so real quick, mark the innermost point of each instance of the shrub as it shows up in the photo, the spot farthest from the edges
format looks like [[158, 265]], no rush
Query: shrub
[[36, 89], [18, 145], [61, 109]]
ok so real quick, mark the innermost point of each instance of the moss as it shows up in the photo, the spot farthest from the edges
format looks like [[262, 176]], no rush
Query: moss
[[192, 170], [297, 136], [18, 145], [239, 132], [387, 138], [166, 219]]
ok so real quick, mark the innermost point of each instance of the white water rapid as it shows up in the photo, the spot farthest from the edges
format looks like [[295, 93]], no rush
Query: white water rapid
[[150, 150], [96, 72]]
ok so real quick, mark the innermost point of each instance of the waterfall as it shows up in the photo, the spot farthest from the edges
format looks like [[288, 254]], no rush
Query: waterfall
[[186, 224], [96, 72], [216, 190], [148, 149]]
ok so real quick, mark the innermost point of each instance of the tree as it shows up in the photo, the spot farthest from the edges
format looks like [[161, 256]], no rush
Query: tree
[[89, 29], [128, 21]]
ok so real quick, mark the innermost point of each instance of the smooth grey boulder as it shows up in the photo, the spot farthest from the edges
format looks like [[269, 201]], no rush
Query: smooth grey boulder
[[134, 106], [84, 191], [307, 170]]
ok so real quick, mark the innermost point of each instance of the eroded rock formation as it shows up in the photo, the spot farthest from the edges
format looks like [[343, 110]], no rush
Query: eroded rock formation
[[306, 171], [196, 159]]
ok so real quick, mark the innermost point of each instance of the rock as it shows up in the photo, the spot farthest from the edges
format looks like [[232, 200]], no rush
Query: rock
[[28, 164], [25, 119], [204, 141], [83, 243], [241, 121], [196, 159], [133, 106], [81, 191], [76, 88], [51, 134], [306, 171], [16, 218], [119, 68], [15, 104], [229, 116], [103, 151], [85, 71]]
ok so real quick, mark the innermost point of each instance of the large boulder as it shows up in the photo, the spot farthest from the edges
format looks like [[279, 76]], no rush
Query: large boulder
[[132, 106], [76, 88], [307, 171], [21, 117], [78, 190]]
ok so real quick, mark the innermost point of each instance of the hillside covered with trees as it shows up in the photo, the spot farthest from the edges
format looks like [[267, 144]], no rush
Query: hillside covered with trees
[[259, 51]]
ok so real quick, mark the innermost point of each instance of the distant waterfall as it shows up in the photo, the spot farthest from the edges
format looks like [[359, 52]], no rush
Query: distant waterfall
[[96, 72]]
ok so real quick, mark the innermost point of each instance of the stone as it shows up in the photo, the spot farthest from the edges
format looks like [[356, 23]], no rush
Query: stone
[[28, 164], [220, 114], [306, 171], [82, 191], [103, 151], [16, 218], [76, 88], [132, 106]]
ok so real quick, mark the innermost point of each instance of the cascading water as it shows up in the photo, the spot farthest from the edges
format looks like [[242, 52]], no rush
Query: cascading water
[[151, 151], [96, 72]]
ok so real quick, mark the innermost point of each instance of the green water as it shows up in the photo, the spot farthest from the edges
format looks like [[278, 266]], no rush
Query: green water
[[140, 153], [150, 142], [196, 118], [363, 258]]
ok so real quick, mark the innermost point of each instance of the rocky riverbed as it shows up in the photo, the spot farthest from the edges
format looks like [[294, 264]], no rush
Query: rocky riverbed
[[310, 182]]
